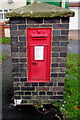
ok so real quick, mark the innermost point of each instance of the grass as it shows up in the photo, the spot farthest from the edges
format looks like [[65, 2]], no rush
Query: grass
[[2, 57], [5, 40], [70, 106]]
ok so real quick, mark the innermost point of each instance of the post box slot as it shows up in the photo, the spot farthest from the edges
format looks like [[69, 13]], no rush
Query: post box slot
[[39, 36]]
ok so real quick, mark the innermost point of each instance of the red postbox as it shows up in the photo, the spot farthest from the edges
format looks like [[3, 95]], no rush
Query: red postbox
[[39, 54]]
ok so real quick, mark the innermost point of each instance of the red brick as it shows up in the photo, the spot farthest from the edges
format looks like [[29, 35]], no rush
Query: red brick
[[58, 88], [42, 97], [18, 84], [2, 33], [59, 49], [42, 88]]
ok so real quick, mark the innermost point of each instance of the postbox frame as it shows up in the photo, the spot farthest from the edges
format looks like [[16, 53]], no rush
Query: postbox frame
[[47, 51]]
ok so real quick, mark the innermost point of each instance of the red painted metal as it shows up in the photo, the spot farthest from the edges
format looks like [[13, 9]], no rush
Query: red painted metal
[[39, 54]]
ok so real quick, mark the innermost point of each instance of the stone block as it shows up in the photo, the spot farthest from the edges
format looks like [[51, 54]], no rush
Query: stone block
[[16, 79], [22, 39], [34, 20], [59, 49], [56, 97], [42, 88], [23, 60], [60, 26], [16, 88], [61, 74], [13, 27], [49, 93], [14, 39], [17, 97], [60, 38], [56, 32], [60, 84], [14, 49], [42, 93], [65, 20], [21, 27], [28, 88], [32, 26], [54, 65], [23, 79], [55, 44], [53, 74], [64, 32], [27, 93], [55, 54], [15, 60], [52, 20], [63, 54], [22, 49], [18, 33], [34, 93], [42, 84], [62, 65], [63, 43], [17, 21], [26, 97]]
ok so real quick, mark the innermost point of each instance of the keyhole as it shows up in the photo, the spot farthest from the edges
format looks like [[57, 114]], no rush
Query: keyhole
[[34, 63]]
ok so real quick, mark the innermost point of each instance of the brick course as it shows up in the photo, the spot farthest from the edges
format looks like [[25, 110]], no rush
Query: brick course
[[31, 93]]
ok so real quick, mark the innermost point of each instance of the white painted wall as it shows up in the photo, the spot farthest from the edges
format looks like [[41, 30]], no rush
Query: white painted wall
[[5, 5], [74, 0], [7, 32], [74, 21], [16, 3]]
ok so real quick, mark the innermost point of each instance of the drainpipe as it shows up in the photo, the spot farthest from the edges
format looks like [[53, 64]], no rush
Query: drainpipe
[[63, 3]]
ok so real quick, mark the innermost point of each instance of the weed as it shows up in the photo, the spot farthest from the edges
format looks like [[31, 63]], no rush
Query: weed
[[2, 57], [5, 40]]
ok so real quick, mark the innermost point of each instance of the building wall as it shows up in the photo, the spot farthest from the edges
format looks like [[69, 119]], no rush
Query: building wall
[[6, 7], [7, 32], [74, 21], [16, 3], [39, 93]]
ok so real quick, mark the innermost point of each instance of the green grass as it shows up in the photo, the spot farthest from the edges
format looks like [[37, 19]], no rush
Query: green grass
[[70, 107], [5, 40], [2, 57]]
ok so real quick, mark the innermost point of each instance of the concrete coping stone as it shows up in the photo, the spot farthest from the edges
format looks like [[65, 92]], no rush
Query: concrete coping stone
[[40, 10]]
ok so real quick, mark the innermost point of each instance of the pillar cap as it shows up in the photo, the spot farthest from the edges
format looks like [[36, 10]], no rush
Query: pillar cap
[[40, 10]]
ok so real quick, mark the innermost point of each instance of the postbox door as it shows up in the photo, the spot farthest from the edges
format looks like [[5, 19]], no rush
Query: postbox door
[[38, 63], [39, 54]]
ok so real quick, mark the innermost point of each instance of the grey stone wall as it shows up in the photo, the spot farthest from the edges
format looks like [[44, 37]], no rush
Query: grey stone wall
[[44, 93]]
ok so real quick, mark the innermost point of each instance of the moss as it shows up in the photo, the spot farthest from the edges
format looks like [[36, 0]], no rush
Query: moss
[[38, 10]]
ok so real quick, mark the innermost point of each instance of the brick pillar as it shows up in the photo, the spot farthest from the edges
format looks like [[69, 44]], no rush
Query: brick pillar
[[2, 34], [43, 93]]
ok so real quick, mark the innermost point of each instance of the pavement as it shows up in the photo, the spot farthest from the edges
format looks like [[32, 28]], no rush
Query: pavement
[[73, 47], [9, 112], [74, 34]]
